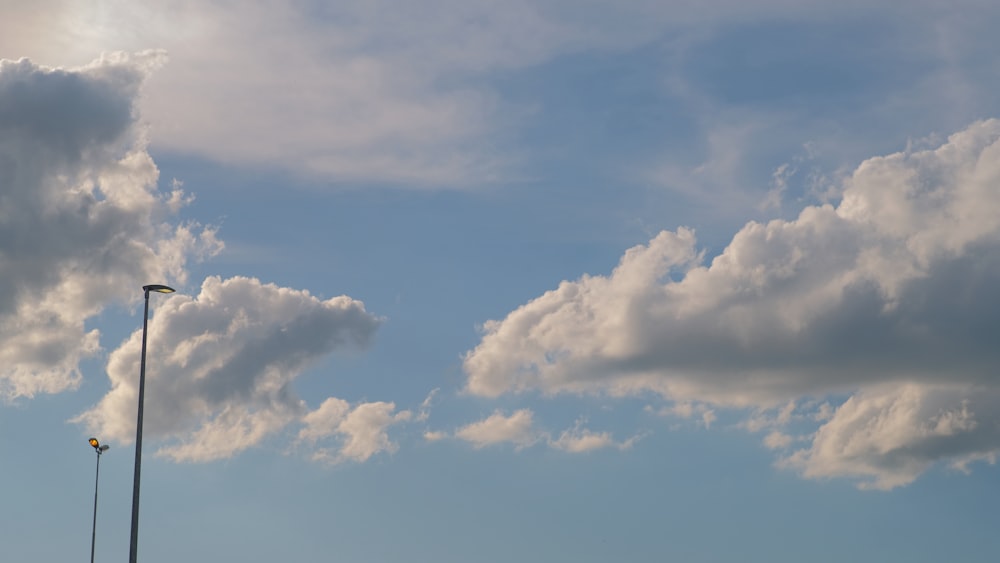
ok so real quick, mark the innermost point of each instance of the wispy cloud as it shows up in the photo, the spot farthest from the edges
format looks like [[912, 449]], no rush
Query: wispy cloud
[[521, 430], [580, 439], [384, 91]]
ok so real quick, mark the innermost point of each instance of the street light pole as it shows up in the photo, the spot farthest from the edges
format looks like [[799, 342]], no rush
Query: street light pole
[[133, 540], [100, 449]]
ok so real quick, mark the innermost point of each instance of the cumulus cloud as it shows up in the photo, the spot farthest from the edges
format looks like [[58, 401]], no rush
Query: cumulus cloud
[[81, 220], [221, 367], [498, 428], [362, 430], [886, 436], [894, 284], [82, 224]]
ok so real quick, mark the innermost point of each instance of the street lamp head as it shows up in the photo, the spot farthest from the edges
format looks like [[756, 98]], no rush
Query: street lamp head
[[98, 447], [158, 288]]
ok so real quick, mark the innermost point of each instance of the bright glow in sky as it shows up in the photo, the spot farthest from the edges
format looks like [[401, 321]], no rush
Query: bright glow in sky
[[502, 281]]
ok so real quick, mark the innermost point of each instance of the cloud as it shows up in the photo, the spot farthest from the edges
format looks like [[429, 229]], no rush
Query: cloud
[[82, 224], [221, 367], [81, 220], [886, 436], [363, 429], [382, 91], [893, 285], [498, 428], [520, 430], [579, 439], [777, 440], [434, 435], [386, 91], [686, 410]]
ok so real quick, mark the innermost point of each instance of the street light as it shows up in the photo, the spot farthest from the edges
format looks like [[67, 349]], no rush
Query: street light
[[133, 540], [100, 449]]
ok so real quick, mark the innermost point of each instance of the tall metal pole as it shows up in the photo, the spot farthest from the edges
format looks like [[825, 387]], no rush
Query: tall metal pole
[[133, 539], [97, 478]]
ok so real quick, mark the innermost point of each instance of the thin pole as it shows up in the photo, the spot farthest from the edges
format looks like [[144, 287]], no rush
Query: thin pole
[[133, 540], [93, 533]]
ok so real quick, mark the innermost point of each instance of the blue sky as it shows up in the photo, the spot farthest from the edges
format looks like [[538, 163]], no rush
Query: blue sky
[[502, 281]]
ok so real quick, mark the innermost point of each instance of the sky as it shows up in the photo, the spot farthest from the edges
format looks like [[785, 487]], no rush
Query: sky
[[502, 281]]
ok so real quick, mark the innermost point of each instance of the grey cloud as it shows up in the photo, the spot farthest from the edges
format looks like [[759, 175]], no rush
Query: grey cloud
[[894, 284], [80, 214], [61, 113]]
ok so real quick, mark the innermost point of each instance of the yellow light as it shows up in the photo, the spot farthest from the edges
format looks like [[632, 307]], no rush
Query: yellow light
[[93, 442], [158, 288]]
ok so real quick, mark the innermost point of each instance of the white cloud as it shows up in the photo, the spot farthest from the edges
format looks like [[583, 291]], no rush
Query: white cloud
[[363, 429], [886, 436], [384, 90], [779, 185], [680, 410], [425, 407], [498, 428], [777, 417], [520, 430], [434, 435], [579, 439], [823, 413], [687, 410], [233, 429], [582, 441], [707, 418], [369, 103], [221, 367], [777, 440], [896, 283], [82, 223]]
